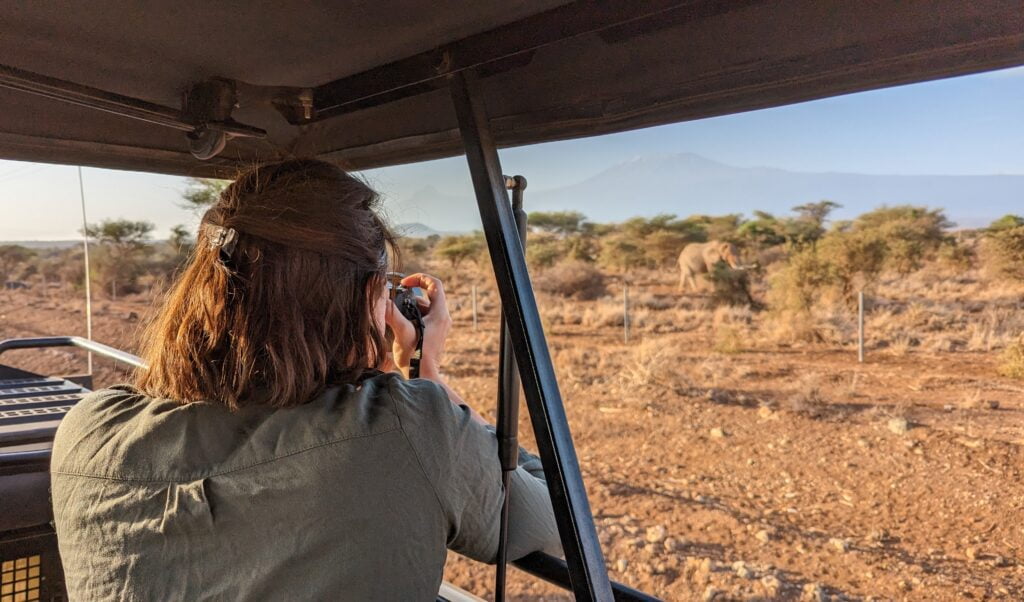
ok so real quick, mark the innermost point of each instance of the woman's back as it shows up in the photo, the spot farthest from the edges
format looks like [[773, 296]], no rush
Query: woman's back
[[262, 454], [354, 495]]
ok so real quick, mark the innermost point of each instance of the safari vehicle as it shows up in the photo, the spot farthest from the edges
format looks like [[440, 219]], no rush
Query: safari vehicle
[[200, 89]]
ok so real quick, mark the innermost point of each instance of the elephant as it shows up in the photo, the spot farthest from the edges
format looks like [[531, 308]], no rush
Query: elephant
[[701, 257]]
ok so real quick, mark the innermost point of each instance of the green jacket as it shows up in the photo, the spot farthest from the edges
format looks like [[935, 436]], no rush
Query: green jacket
[[353, 496]]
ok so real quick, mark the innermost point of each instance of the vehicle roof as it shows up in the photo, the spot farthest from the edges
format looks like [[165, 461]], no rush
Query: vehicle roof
[[548, 70]]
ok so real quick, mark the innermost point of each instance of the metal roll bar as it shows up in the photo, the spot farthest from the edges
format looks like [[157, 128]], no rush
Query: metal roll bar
[[80, 342]]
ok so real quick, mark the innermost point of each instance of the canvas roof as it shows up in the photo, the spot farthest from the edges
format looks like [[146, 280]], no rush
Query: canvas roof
[[376, 71]]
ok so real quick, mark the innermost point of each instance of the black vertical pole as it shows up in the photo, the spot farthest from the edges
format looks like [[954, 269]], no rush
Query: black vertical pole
[[565, 483], [508, 403]]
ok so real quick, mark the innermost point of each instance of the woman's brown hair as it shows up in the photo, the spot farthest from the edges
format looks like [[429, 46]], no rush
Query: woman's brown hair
[[276, 301]]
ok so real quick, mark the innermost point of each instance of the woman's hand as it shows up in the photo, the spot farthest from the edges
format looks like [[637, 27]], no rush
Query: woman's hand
[[437, 323]]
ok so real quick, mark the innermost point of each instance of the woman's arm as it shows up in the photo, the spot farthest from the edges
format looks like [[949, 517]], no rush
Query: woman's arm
[[462, 451], [437, 323], [459, 455]]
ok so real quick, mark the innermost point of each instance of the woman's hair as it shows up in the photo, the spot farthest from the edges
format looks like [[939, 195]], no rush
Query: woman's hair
[[276, 301]]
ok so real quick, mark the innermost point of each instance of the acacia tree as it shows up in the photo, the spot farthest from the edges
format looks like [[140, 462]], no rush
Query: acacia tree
[[122, 243], [562, 223], [203, 192], [458, 248]]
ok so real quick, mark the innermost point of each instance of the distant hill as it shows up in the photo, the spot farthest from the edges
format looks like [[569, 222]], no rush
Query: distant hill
[[685, 184], [418, 230], [44, 244]]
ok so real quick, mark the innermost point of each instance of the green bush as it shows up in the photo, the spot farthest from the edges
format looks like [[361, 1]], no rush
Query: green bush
[[911, 235], [1006, 246], [956, 256], [456, 249], [621, 253], [730, 287], [797, 286], [543, 251], [853, 260]]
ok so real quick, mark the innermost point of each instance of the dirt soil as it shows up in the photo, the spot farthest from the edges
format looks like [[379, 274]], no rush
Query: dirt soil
[[765, 472]]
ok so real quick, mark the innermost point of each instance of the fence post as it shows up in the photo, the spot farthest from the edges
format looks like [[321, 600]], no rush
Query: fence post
[[474, 308], [860, 327], [625, 311]]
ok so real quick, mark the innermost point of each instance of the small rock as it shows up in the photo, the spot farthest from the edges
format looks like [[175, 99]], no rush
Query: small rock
[[766, 413], [672, 544], [711, 594], [741, 570], [992, 404], [771, 584], [813, 593], [621, 565], [717, 433], [840, 544], [763, 536], [656, 534], [971, 553], [898, 426], [708, 565]]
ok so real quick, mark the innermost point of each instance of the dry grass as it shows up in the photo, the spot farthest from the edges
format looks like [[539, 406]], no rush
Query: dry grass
[[655, 363], [1011, 360], [575, 280], [901, 345], [807, 399]]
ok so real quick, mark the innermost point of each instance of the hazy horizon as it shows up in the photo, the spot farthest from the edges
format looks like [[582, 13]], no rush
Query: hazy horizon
[[965, 126]]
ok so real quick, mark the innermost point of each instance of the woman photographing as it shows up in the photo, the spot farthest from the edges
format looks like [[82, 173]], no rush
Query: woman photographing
[[273, 450]]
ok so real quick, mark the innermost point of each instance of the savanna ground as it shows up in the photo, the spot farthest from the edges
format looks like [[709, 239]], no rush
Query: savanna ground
[[725, 460]]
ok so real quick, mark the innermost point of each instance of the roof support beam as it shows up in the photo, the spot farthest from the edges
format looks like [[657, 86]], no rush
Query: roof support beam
[[551, 427], [496, 50]]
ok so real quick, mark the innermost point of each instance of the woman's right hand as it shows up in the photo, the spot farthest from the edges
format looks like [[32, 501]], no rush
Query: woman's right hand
[[437, 321]]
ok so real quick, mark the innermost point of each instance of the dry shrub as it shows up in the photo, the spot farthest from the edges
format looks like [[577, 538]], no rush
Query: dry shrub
[[797, 287], [572, 279], [557, 310], [901, 345], [728, 340], [730, 287], [1005, 252], [955, 257], [603, 315], [656, 302], [997, 328], [655, 362], [807, 398], [1011, 360], [827, 324]]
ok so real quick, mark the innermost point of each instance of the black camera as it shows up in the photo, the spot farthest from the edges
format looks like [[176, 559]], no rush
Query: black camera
[[405, 298]]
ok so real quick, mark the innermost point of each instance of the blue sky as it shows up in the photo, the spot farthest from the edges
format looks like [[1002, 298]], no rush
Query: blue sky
[[971, 125]]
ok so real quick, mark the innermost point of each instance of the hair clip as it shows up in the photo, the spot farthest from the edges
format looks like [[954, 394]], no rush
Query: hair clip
[[223, 238]]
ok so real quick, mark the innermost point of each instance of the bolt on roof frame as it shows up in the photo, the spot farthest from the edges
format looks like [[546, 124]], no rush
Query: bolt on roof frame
[[587, 571]]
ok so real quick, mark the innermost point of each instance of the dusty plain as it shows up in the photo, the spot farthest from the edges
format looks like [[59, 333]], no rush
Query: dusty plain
[[723, 463]]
